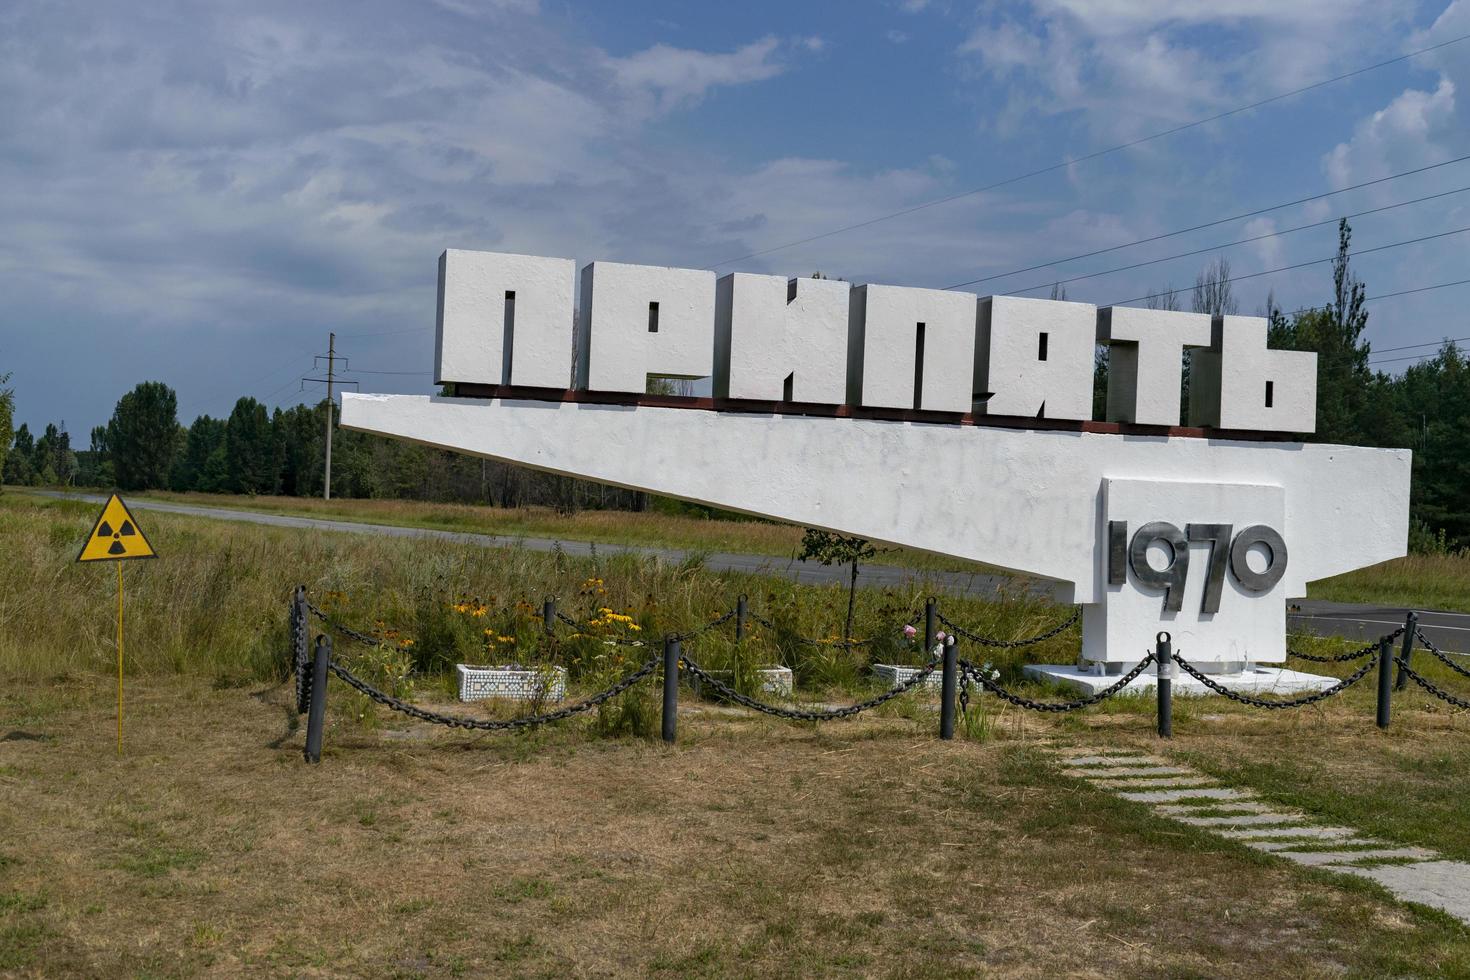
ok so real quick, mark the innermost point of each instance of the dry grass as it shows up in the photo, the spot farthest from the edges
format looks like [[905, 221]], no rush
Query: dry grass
[[752, 849]]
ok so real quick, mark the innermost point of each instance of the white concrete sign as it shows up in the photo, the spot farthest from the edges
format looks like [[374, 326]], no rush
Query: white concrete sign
[[1149, 528]]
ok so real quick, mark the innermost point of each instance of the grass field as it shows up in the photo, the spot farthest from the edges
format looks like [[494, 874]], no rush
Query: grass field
[[649, 529], [1418, 581], [754, 847]]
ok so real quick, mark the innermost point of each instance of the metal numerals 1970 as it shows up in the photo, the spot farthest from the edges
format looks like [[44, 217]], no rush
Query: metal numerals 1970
[[1123, 554]]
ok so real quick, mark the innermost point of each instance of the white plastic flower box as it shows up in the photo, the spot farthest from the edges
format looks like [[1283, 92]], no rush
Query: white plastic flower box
[[893, 675], [511, 682], [775, 680]]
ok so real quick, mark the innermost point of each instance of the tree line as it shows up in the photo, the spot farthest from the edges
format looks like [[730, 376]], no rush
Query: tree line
[[258, 451]]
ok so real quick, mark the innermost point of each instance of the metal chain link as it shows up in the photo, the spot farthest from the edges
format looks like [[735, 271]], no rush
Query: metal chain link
[[799, 714], [986, 641], [867, 641], [967, 669], [490, 725], [1345, 657], [1429, 685], [347, 631], [701, 630], [300, 653], [1440, 654], [617, 641], [1300, 702]]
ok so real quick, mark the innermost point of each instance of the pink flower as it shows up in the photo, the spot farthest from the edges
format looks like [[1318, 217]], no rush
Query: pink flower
[[939, 636], [909, 632]]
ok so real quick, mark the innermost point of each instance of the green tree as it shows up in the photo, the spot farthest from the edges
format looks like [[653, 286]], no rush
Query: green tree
[[201, 466], [1335, 333], [143, 436], [837, 549], [250, 449], [20, 465], [299, 436], [7, 419]]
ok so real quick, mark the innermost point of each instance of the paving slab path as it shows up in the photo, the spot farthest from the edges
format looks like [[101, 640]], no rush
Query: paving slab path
[[1413, 874]]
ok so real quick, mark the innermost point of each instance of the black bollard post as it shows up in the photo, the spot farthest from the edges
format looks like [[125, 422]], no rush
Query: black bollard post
[[1411, 626], [948, 689], [548, 616], [316, 717], [931, 623], [671, 688], [742, 610], [1385, 680], [1164, 657]]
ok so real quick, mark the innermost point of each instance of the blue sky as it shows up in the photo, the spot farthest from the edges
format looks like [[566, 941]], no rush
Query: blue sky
[[197, 192]]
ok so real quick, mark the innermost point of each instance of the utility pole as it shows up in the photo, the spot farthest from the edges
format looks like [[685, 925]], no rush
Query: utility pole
[[331, 381], [331, 364]]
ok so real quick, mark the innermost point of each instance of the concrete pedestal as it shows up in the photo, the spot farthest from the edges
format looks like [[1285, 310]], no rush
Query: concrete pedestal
[[1253, 680]]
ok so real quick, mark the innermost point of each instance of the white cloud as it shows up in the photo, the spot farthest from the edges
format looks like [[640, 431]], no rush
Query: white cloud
[[1399, 136], [1268, 251], [897, 37], [679, 77], [1131, 66]]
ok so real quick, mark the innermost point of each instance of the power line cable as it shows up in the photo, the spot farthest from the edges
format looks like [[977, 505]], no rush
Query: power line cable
[[1410, 357], [1432, 343], [1210, 224], [1094, 155], [1241, 241], [1400, 292], [1302, 265], [362, 371]]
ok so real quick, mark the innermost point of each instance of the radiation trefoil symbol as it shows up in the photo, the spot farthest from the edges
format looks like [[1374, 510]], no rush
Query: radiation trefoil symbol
[[116, 535]]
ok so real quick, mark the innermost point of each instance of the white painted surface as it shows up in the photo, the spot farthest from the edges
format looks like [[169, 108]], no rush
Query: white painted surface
[[1146, 360], [471, 331], [768, 328], [882, 346], [1257, 680], [1009, 365], [617, 351], [1248, 625], [1026, 500], [1228, 382], [510, 682]]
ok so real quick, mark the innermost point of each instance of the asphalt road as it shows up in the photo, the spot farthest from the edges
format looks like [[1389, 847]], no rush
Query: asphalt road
[[1447, 630]]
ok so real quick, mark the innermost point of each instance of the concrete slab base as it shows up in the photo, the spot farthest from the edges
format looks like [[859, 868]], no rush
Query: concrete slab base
[[1256, 680]]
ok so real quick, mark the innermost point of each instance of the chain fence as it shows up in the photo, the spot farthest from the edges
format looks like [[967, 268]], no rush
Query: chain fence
[[1342, 658], [804, 714], [845, 642], [1429, 685], [489, 724], [1440, 654], [300, 651], [969, 670], [986, 641], [1300, 702], [966, 674]]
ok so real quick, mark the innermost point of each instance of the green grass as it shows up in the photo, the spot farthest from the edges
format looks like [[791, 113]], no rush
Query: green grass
[[1415, 582], [649, 529]]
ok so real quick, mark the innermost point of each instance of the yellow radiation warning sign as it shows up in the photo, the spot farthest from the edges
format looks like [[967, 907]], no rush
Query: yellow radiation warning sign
[[116, 535]]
